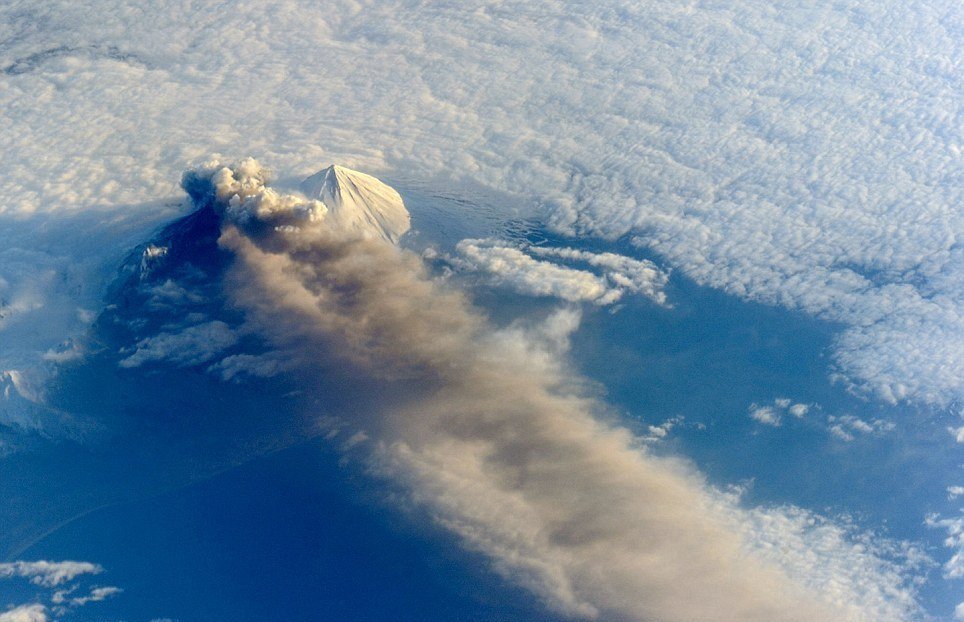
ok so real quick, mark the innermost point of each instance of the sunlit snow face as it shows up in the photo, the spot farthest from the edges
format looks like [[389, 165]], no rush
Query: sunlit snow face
[[754, 209]]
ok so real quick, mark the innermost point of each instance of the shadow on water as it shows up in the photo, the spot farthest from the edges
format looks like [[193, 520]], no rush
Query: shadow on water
[[291, 535]]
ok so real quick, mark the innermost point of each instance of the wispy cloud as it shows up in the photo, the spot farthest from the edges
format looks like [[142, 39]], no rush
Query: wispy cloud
[[953, 567], [848, 427], [189, 346], [47, 573], [60, 580], [96, 594]]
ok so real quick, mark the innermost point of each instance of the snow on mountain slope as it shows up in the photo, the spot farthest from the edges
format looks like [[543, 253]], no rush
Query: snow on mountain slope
[[337, 199], [358, 202]]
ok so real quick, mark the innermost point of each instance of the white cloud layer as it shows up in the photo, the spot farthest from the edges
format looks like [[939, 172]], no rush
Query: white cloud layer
[[510, 266], [487, 433], [806, 156], [638, 276], [517, 268]]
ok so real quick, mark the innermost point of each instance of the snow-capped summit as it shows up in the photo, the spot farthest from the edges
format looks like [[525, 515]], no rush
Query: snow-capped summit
[[359, 203]]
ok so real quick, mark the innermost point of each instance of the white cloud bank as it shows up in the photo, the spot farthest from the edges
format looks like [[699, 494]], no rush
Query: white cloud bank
[[486, 431], [806, 156], [516, 268]]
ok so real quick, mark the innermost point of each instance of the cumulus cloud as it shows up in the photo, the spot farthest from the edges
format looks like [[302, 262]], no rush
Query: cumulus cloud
[[47, 573], [25, 613], [655, 433], [799, 410], [510, 266], [840, 560], [186, 347], [957, 433], [772, 414], [842, 427], [517, 268], [51, 575], [487, 431], [765, 415], [639, 276]]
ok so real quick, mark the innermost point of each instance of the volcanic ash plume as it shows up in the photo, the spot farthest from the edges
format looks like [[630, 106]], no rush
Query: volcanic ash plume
[[483, 429]]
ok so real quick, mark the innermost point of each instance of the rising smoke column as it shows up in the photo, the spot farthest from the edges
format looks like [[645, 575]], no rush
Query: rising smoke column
[[484, 430]]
